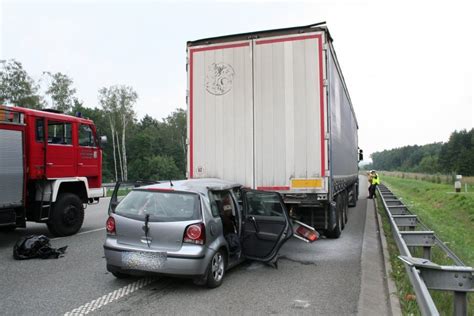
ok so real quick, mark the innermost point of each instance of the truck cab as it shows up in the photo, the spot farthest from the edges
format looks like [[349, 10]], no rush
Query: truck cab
[[57, 160]]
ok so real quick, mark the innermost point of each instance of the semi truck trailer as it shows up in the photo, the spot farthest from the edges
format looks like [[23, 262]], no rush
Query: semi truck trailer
[[271, 110]]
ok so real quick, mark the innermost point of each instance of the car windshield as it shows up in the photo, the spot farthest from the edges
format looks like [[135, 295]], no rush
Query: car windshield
[[161, 206]]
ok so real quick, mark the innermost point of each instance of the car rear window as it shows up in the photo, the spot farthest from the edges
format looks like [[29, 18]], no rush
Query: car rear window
[[161, 206]]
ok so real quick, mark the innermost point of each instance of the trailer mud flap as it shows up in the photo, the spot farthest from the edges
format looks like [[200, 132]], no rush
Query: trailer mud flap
[[304, 232], [332, 215]]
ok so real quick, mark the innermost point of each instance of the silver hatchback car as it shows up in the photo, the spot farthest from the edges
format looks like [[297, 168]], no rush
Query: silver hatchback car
[[194, 228]]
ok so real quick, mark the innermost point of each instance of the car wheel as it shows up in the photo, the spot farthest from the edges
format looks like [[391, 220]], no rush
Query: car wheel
[[67, 215], [216, 270]]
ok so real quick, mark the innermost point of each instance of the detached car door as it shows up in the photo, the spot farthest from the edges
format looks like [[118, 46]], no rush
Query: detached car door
[[266, 225]]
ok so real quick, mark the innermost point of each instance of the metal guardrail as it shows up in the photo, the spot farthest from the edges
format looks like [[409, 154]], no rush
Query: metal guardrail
[[409, 232], [130, 184]]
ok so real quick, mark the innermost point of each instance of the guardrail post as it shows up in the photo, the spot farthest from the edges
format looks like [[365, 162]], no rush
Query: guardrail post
[[458, 279], [460, 303], [427, 252], [425, 239]]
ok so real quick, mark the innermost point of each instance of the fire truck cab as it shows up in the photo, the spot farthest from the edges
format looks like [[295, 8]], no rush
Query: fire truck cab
[[50, 167]]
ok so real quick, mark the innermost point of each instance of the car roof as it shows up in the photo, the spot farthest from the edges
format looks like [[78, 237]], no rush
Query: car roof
[[194, 185]]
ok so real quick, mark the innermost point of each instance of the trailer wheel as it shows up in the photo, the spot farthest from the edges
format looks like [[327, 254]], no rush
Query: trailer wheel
[[67, 215], [335, 217]]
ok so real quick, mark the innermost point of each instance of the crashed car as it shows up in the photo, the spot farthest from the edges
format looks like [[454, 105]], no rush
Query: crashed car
[[195, 228]]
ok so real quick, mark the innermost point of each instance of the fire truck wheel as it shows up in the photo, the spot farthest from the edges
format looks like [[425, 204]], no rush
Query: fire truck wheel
[[67, 215]]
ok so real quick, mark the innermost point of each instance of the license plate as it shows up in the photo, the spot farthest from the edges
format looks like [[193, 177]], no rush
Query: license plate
[[146, 261]]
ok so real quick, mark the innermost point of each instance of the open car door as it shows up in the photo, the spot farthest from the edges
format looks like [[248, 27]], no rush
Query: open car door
[[266, 225]]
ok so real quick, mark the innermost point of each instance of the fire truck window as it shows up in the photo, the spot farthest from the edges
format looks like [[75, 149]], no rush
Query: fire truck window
[[39, 130], [86, 136], [59, 133]]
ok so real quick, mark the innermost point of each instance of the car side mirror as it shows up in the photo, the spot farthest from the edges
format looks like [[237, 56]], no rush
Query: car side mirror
[[361, 155], [103, 140]]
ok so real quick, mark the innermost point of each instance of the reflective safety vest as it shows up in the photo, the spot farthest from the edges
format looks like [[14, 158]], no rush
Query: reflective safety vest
[[376, 179]]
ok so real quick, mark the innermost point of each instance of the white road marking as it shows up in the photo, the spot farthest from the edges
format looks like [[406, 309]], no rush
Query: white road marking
[[81, 233], [301, 304], [110, 297]]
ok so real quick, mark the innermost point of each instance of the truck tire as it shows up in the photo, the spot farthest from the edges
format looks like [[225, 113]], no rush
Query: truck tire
[[67, 215], [335, 218]]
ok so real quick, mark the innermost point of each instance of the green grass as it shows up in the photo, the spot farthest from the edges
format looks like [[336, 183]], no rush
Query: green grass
[[435, 178], [121, 192], [450, 215]]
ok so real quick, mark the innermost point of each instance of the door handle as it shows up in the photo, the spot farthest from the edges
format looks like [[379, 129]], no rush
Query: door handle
[[80, 164], [49, 163], [254, 222]]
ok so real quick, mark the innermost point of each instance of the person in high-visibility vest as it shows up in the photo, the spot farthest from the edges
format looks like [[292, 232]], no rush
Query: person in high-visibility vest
[[374, 181]]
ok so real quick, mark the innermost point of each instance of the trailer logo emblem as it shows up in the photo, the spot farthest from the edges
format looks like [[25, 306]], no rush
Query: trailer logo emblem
[[219, 78]]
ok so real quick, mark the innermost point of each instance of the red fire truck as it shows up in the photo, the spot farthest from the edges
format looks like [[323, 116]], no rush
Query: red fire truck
[[50, 166]]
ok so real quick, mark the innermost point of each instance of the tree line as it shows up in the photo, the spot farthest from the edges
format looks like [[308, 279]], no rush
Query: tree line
[[144, 148], [456, 156]]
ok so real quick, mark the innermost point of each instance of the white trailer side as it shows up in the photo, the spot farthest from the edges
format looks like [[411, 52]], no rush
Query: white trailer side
[[343, 149], [271, 110]]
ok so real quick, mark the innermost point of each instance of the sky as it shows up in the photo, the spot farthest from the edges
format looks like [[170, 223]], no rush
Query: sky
[[408, 65]]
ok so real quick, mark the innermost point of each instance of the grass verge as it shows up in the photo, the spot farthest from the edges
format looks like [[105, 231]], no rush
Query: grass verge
[[451, 216]]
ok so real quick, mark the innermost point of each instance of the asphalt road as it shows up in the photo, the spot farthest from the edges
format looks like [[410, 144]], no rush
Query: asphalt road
[[322, 278]]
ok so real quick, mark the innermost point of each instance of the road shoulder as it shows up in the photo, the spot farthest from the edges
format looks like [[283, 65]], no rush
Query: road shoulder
[[376, 297]]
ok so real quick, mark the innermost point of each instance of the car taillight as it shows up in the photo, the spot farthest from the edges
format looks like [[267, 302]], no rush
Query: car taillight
[[306, 233], [195, 234], [110, 226]]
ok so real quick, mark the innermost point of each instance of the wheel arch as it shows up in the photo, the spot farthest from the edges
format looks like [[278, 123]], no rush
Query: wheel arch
[[225, 251], [77, 186]]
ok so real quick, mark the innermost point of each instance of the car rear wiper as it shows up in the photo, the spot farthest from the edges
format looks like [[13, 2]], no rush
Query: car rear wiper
[[146, 228]]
